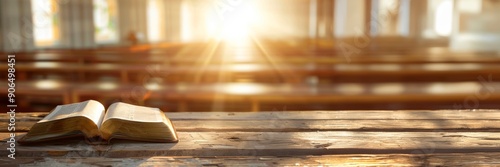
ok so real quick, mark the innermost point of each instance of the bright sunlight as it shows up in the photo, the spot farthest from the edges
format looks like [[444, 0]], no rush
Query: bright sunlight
[[233, 21]]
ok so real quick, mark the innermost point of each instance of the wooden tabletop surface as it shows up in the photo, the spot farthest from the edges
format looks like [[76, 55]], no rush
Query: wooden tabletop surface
[[313, 138]]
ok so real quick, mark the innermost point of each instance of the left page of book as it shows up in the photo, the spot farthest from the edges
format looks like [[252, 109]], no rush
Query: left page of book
[[91, 109], [67, 121]]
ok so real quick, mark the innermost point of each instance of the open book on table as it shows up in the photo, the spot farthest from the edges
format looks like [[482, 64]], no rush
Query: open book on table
[[90, 119]]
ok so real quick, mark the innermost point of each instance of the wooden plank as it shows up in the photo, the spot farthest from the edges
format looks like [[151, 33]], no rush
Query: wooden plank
[[324, 94], [341, 115], [315, 125], [403, 160], [276, 144], [475, 114], [381, 93], [339, 69]]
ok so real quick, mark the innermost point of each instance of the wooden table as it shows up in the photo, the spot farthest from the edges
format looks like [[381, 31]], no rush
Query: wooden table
[[313, 138]]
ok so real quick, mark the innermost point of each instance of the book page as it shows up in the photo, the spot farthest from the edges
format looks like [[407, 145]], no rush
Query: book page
[[131, 112], [90, 109]]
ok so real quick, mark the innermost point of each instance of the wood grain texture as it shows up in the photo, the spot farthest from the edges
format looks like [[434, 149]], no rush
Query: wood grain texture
[[476, 114], [341, 115], [398, 160], [312, 138], [304, 121], [315, 125], [276, 144]]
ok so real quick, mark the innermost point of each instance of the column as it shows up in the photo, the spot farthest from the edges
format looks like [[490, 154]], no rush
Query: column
[[17, 26], [77, 27]]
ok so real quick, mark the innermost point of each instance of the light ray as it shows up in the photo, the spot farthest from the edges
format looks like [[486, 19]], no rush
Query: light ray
[[212, 47], [285, 75]]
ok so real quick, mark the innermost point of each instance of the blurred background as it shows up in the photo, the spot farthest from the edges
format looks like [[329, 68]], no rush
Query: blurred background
[[253, 55]]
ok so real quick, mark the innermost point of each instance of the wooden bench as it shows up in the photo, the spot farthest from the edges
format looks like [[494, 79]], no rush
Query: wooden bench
[[331, 52], [281, 53], [256, 97], [363, 73], [304, 138]]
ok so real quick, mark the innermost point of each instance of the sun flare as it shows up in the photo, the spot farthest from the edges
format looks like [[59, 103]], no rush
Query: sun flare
[[235, 23]]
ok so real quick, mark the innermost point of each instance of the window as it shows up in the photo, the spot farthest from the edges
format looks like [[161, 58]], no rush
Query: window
[[440, 18], [389, 16], [443, 18], [45, 21], [393, 16], [155, 23], [186, 29], [105, 21]]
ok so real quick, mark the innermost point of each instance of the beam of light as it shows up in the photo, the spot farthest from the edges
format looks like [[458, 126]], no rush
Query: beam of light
[[221, 77], [235, 24], [241, 56], [240, 53], [235, 30], [243, 67], [286, 75], [209, 55]]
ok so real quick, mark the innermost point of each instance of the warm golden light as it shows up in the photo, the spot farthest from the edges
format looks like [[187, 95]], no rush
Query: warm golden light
[[47, 84], [444, 17], [233, 22], [154, 20], [459, 87], [45, 29], [244, 67], [242, 88], [351, 88], [107, 85], [47, 65], [388, 88], [105, 20], [152, 86], [241, 54]]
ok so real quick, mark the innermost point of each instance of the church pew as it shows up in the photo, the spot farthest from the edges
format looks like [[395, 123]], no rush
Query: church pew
[[104, 55], [258, 97], [67, 71], [193, 56], [126, 49], [187, 96], [44, 91], [45, 57], [365, 46], [291, 59], [135, 73], [290, 52]]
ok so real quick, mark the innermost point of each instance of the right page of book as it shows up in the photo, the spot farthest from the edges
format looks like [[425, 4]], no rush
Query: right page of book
[[131, 112]]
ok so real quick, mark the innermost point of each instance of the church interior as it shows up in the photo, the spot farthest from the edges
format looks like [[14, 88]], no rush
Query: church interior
[[253, 55]]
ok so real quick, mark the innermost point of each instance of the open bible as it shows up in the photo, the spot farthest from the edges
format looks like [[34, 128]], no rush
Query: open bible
[[89, 118]]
